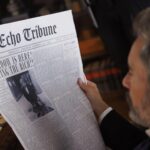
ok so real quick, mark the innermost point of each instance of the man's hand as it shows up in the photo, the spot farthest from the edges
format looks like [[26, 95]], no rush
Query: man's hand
[[91, 91]]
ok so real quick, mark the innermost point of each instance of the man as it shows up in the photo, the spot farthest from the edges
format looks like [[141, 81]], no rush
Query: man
[[29, 92], [119, 134]]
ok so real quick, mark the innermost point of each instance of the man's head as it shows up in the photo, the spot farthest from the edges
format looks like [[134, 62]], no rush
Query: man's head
[[137, 80]]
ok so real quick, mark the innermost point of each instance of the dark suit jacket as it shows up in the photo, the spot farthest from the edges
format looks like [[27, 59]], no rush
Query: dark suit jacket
[[119, 134]]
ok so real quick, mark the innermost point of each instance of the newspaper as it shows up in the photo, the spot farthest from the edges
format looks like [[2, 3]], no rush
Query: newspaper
[[40, 63]]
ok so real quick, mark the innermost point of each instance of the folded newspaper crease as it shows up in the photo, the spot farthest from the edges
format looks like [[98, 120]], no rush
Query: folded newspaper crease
[[40, 63]]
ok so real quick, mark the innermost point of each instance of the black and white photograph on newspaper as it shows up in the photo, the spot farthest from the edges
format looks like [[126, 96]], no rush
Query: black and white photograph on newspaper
[[29, 95]]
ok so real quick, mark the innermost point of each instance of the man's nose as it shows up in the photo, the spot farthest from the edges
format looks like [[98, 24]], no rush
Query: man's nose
[[126, 82]]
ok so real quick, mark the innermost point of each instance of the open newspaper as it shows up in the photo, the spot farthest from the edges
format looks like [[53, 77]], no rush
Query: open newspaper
[[40, 63]]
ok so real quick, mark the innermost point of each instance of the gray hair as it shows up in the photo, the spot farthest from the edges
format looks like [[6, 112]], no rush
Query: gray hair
[[141, 28]]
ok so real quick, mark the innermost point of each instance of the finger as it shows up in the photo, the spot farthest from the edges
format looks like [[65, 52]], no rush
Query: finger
[[90, 83], [82, 85]]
